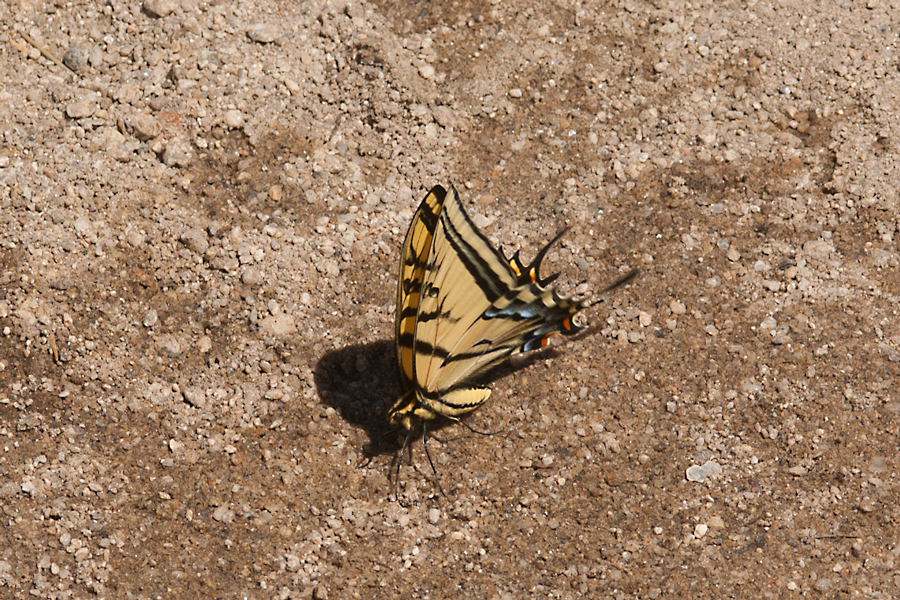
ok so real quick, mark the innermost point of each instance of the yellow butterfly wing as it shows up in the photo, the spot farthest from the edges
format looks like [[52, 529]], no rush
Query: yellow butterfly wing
[[463, 310], [413, 258]]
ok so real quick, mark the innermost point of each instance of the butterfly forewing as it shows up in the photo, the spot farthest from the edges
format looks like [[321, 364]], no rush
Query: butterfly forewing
[[413, 259]]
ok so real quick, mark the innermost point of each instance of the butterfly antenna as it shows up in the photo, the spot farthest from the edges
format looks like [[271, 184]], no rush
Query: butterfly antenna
[[437, 478], [620, 281], [593, 329]]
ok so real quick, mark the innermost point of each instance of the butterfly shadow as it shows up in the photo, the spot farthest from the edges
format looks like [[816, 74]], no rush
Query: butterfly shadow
[[360, 383]]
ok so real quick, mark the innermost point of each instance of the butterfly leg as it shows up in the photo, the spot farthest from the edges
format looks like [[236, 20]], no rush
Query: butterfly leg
[[407, 445], [437, 478], [472, 429]]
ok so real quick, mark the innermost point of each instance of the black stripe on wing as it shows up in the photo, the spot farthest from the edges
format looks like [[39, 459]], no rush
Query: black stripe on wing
[[486, 264], [456, 406], [430, 216], [426, 316]]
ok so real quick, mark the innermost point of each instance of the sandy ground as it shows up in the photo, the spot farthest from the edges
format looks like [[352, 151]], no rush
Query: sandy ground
[[201, 208]]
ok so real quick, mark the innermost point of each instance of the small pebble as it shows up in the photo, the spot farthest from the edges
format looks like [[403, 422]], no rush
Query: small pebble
[[204, 344], [144, 126], [426, 71], [196, 240], [81, 109], [135, 239], [150, 318], [276, 192], [708, 136], [128, 93], [320, 593], [195, 396], [169, 346], [251, 276], [234, 119], [75, 58], [751, 387], [709, 470], [223, 515], [9, 489], [159, 8], [263, 33], [178, 153], [82, 226], [331, 268], [278, 326]]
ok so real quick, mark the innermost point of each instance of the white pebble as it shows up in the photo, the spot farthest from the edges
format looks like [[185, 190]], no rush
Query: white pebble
[[426, 71], [709, 470], [234, 119]]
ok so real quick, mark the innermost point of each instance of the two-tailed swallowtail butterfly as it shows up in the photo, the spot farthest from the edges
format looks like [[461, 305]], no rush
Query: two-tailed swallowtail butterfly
[[462, 309]]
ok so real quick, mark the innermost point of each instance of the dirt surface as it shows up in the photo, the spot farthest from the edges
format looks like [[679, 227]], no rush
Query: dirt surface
[[201, 208]]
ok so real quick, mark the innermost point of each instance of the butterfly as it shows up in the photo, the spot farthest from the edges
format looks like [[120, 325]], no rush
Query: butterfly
[[462, 309]]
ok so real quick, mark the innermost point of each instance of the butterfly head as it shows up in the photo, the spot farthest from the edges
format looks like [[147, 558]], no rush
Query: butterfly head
[[408, 410]]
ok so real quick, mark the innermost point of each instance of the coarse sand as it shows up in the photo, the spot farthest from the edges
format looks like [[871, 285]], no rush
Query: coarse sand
[[201, 210]]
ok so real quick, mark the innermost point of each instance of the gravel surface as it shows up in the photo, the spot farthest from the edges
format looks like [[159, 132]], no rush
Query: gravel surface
[[201, 208]]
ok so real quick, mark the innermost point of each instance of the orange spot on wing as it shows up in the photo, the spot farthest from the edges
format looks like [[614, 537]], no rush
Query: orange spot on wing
[[546, 339]]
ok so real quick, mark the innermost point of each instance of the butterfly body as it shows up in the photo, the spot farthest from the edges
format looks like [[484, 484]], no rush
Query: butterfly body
[[462, 309]]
